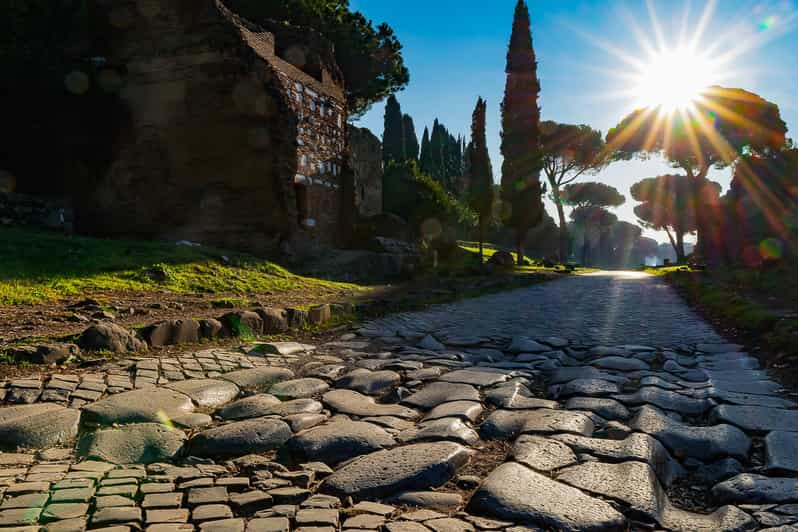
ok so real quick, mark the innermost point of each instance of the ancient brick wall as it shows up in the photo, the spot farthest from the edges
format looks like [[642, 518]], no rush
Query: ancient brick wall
[[366, 156], [229, 143]]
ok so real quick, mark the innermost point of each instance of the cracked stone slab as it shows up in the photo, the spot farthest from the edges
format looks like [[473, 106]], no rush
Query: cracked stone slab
[[636, 485], [435, 393], [757, 418], [516, 493], [369, 382], [667, 400], [781, 451], [356, 404], [523, 344], [703, 443], [240, 438], [411, 467], [339, 441], [37, 426], [210, 393], [542, 454], [141, 443], [636, 446], [150, 405], [750, 488]]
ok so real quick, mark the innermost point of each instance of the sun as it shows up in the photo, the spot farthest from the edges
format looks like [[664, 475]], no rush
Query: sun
[[673, 79]]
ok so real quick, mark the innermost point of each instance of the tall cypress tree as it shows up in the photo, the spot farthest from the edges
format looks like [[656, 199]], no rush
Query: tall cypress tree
[[436, 141], [411, 139], [480, 186], [425, 159], [393, 138], [521, 189]]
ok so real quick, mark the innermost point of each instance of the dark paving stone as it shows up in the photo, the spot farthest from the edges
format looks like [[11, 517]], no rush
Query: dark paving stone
[[240, 438], [516, 493], [382, 473], [338, 441]]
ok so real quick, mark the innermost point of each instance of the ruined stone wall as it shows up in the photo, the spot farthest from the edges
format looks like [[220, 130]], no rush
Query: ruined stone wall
[[366, 156], [218, 134]]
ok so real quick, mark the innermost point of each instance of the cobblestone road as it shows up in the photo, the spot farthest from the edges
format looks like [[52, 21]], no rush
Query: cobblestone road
[[591, 403], [606, 307]]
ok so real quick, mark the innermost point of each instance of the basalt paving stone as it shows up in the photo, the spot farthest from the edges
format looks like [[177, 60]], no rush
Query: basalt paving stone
[[435, 393], [436, 500], [406, 526], [516, 493], [258, 379], [338, 441], [782, 451], [269, 524], [299, 388], [667, 400], [636, 446], [750, 488], [504, 424], [466, 410], [31, 500], [451, 429], [209, 393], [224, 525], [703, 443], [141, 443], [542, 454], [369, 382], [607, 408], [240, 438], [418, 466], [476, 377], [37, 426], [138, 406], [620, 363], [756, 418], [523, 344], [585, 387], [635, 485], [545, 421], [747, 399], [356, 404], [516, 396]]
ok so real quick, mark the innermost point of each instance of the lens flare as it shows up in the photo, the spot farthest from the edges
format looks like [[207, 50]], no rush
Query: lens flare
[[771, 249]]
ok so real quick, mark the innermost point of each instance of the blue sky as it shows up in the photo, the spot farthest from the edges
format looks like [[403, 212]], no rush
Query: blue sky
[[455, 50]]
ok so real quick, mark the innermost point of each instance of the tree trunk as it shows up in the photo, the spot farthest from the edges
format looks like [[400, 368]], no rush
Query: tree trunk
[[519, 248], [680, 255], [673, 242], [564, 240], [481, 240]]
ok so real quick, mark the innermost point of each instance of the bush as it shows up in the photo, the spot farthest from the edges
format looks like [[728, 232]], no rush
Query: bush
[[432, 212]]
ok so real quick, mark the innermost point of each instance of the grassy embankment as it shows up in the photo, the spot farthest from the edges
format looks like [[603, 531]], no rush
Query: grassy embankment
[[38, 267], [759, 305]]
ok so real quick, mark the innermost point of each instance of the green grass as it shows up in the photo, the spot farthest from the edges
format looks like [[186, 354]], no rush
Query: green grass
[[37, 267], [665, 270], [489, 250]]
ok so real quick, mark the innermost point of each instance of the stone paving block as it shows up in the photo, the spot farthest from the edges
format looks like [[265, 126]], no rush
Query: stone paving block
[[19, 516], [162, 500], [225, 525], [317, 517], [179, 515], [77, 524], [782, 451], [211, 512], [72, 495], [112, 501], [269, 524], [109, 516], [32, 500], [198, 496], [61, 511]]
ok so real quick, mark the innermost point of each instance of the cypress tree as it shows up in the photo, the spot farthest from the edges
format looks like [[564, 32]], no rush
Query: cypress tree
[[425, 159], [480, 186], [436, 152], [521, 189], [393, 138], [411, 139]]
